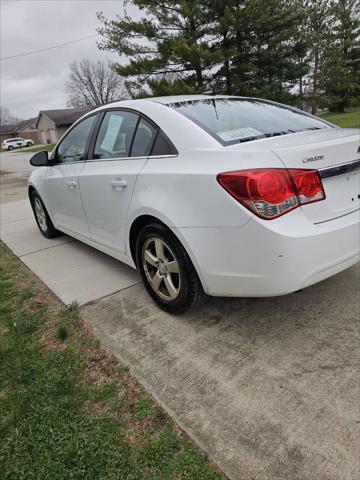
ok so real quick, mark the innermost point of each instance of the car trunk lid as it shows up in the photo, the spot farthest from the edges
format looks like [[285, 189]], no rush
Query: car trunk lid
[[335, 154]]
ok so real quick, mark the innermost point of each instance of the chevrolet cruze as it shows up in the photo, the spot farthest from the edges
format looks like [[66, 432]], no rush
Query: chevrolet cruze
[[217, 195]]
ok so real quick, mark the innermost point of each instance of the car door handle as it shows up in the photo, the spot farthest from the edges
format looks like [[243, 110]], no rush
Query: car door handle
[[71, 184], [118, 183]]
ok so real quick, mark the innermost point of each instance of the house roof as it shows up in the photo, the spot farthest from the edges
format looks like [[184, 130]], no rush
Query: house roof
[[17, 127], [26, 123], [63, 117], [6, 129]]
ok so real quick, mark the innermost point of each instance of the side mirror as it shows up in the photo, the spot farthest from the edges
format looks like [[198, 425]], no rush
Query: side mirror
[[40, 159]]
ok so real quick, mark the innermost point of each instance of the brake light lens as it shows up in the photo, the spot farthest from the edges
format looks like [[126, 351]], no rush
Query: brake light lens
[[272, 192], [308, 184]]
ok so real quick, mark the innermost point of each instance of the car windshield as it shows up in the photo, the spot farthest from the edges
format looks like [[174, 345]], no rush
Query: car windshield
[[234, 120]]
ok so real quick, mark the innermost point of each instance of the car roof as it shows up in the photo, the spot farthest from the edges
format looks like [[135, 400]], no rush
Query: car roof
[[167, 119], [186, 98], [165, 100]]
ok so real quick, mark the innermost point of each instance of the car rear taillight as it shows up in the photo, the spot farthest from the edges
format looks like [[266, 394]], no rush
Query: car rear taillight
[[271, 192], [308, 184]]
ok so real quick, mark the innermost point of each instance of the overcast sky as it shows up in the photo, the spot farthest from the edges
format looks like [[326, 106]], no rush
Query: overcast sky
[[36, 82]]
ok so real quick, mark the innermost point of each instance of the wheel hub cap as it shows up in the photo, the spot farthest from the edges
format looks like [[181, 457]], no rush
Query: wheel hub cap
[[161, 268]]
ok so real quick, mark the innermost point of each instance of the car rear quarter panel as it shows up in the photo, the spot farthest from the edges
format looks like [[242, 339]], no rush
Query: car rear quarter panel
[[184, 194], [183, 191]]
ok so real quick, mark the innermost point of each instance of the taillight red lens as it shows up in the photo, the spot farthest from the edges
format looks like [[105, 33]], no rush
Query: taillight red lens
[[271, 192], [271, 186], [308, 184]]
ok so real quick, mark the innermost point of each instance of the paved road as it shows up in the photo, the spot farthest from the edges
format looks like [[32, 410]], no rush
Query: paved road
[[16, 162], [13, 185], [269, 387]]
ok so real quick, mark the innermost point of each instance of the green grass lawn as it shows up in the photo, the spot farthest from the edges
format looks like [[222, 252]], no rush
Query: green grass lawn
[[39, 148], [345, 120], [68, 410]]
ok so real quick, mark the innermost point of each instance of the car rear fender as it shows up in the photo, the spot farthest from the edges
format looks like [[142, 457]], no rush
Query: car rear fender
[[150, 215], [185, 190]]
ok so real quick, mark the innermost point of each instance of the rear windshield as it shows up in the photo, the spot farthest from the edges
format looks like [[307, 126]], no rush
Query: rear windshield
[[234, 120]]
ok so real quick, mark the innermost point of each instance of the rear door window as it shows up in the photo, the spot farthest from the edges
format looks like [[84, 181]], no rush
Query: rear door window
[[116, 135], [163, 146], [144, 139]]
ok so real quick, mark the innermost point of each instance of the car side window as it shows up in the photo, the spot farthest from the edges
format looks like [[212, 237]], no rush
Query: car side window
[[72, 148], [115, 135], [163, 146], [144, 139]]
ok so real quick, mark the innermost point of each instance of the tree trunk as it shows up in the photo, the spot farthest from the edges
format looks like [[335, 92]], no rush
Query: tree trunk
[[315, 82], [226, 65]]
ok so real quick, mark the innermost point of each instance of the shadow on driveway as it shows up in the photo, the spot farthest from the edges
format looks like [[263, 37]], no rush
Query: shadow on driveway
[[269, 387]]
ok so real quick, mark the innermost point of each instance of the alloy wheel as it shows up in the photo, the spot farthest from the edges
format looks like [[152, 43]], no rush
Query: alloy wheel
[[40, 214], [161, 268]]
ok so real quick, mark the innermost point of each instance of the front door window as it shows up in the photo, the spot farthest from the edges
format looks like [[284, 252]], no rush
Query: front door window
[[72, 148]]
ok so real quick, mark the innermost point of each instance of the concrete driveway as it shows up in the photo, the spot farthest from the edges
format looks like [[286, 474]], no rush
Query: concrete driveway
[[268, 387], [72, 270]]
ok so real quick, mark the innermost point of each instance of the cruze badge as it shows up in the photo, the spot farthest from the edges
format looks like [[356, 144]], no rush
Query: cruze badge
[[313, 159]]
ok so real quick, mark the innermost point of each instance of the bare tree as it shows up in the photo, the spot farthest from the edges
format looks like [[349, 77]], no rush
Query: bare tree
[[6, 118], [92, 84]]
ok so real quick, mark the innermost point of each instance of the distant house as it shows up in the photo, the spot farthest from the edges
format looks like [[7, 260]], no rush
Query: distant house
[[7, 131], [27, 129], [24, 129], [52, 124]]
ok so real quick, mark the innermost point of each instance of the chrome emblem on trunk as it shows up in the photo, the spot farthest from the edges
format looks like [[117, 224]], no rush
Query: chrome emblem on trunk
[[315, 158]]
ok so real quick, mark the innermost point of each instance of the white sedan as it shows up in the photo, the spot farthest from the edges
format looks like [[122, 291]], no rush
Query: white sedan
[[17, 142], [217, 195]]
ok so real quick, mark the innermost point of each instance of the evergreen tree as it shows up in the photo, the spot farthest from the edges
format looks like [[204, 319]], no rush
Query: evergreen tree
[[246, 47], [340, 76], [224, 15], [268, 46], [317, 30], [278, 49], [171, 39]]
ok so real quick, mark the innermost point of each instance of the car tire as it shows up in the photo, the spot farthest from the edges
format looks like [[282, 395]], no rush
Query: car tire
[[42, 218], [166, 270], [28, 144], [10, 147]]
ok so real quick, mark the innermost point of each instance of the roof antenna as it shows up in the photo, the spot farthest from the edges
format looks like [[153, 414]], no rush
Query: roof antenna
[[214, 105]]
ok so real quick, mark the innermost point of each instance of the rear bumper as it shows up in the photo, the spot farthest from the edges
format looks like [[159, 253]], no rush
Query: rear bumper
[[271, 258]]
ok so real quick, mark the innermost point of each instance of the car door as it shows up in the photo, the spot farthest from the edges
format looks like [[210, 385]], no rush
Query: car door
[[107, 181], [62, 180]]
